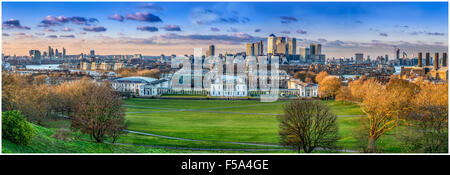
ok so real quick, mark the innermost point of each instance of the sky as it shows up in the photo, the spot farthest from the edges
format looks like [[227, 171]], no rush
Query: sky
[[155, 28]]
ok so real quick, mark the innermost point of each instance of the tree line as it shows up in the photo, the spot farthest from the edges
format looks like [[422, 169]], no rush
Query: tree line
[[94, 108], [419, 110]]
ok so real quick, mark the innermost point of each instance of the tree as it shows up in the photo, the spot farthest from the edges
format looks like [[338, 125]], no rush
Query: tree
[[329, 87], [15, 128], [305, 76], [322, 75], [308, 125], [384, 107], [359, 87], [427, 122], [98, 111], [344, 94]]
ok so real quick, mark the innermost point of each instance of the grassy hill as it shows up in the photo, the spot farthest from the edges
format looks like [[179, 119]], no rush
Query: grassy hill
[[43, 142]]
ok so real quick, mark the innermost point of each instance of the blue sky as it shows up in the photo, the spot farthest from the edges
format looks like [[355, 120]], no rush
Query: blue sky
[[343, 28]]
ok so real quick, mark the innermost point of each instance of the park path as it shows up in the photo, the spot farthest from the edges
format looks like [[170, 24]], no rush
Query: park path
[[279, 147]]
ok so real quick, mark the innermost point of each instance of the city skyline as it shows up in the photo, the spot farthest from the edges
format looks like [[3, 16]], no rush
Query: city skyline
[[343, 28]]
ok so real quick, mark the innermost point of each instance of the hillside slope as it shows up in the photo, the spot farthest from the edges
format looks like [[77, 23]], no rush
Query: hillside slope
[[43, 142]]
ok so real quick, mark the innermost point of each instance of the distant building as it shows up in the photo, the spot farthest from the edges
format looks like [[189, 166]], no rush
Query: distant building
[[397, 53], [35, 56], [254, 49], [292, 45], [249, 49], [271, 44], [92, 53], [210, 51], [316, 53], [304, 54], [304, 89], [359, 57]]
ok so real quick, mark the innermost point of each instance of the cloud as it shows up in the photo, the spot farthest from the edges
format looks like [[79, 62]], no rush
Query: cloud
[[172, 28], [285, 32], [67, 29], [144, 17], [40, 34], [5, 34], [94, 29], [322, 40], [415, 33], [116, 17], [50, 30], [52, 36], [435, 33], [150, 6], [288, 19], [232, 30], [172, 39], [402, 26], [67, 36], [358, 22], [147, 28], [14, 24], [300, 31], [27, 35], [215, 29], [208, 16], [82, 33], [60, 20], [383, 34], [257, 30]]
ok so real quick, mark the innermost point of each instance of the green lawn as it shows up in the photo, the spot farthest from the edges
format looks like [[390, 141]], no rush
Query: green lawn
[[43, 142], [215, 121]]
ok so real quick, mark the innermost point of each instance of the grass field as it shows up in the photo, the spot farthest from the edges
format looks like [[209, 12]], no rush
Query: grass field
[[200, 126], [43, 142], [217, 121]]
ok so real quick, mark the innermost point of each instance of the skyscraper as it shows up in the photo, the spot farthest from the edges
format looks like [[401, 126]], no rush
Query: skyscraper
[[250, 49], [397, 53], [35, 56], [436, 61], [292, 45], [254, 49], [261, 48], [49, 51], [92, 53], [210, 51], [304, 54], [271, 45], [359, 57], [419, 61], [64, 53]]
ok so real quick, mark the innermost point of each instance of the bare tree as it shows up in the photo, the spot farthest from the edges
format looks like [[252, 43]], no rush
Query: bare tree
[[308, 125], [98, 111]]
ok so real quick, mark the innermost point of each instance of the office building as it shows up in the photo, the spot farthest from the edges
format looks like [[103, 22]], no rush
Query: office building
[[304, 54], [292, 45], [210, 51], [359, 57], [271, 45]]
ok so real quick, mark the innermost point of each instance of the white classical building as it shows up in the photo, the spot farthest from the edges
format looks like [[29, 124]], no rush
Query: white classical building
[[304, 89], [229, 86], [140, 86]]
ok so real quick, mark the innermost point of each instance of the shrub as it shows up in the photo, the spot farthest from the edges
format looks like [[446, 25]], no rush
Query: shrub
[[15, 128], [62, 134]]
